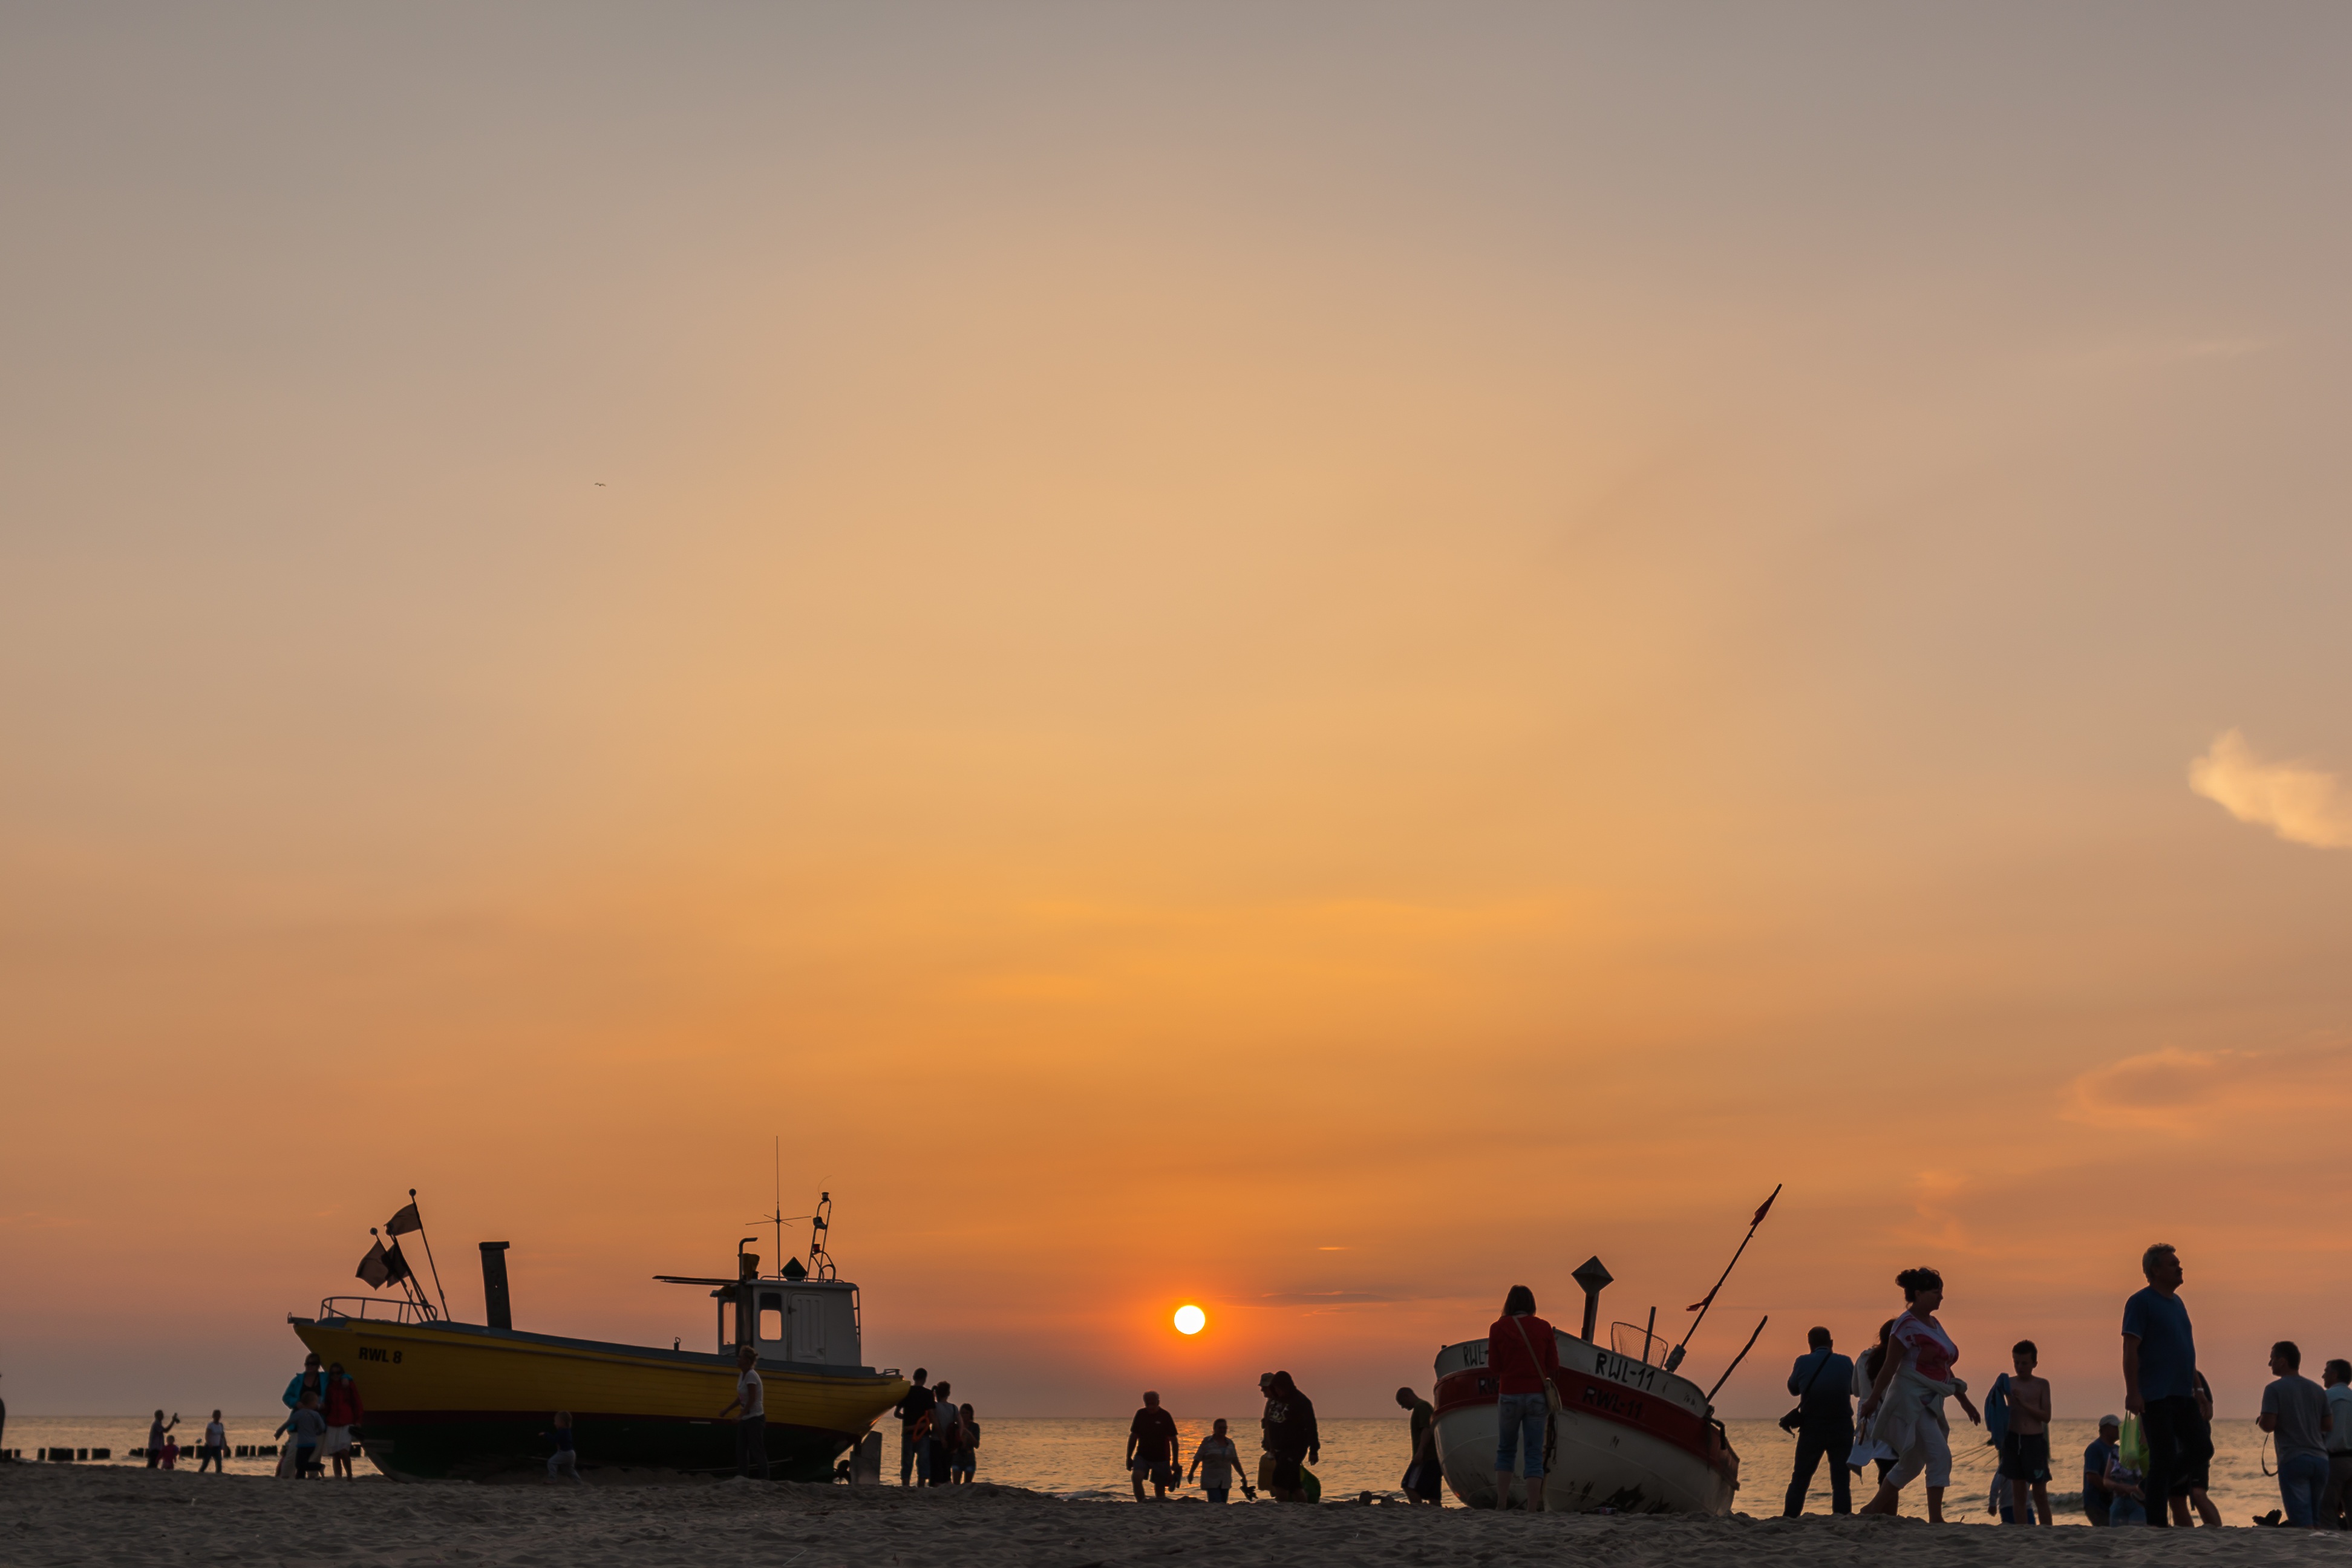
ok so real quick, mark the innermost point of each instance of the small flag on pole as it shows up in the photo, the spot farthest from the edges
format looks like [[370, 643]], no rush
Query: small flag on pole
[[396, 1266], [376, 1267], [403, 1221], [1751, 1224]]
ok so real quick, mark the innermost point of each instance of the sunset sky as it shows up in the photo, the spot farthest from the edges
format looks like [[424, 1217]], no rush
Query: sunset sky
[[1312, 658]]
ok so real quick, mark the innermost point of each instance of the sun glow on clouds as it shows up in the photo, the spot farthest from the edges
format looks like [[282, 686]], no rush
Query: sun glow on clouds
[[2302, 806]]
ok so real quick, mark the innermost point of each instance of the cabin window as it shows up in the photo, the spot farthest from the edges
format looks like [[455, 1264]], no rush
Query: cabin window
[[771, 1320]]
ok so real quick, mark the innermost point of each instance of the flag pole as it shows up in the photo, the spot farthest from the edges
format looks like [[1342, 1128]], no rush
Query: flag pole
[[1674, 1359], [445, 1294], [406, 1280]]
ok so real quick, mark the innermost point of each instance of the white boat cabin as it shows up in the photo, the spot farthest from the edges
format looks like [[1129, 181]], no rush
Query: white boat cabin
[[805, 1319]]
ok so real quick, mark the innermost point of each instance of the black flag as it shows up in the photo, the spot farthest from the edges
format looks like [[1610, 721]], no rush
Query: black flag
[[396, 1266], [376, 1267], [403, 1221]]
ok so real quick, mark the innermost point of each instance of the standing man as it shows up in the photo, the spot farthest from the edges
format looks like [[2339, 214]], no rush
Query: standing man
[[939, 1448], [2162, 1388], [910, 1411], [2332, 1507], [1423, 1473], [215, 1452], [2294, 1412], [2097, 1459], [1152, 1450], [752, 1426], [1822, 1382]]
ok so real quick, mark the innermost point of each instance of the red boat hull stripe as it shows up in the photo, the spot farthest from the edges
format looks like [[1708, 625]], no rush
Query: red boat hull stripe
[[1581, 1392]]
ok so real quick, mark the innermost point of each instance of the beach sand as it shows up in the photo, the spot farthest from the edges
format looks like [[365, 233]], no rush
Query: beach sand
[[57, 1515]]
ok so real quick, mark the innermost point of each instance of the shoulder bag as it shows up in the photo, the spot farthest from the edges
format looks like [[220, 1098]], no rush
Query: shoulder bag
[[1795, 1417]]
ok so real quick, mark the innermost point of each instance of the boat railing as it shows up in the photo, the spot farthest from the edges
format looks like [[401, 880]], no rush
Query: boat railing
[[374, 1309]]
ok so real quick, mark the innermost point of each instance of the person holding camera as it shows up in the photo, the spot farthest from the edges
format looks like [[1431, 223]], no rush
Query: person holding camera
[[1822, 1382]]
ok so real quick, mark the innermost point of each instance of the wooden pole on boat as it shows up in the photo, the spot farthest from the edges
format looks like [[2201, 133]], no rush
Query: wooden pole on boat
[[1674, 1357], [428, 1254], [1738, 1359]]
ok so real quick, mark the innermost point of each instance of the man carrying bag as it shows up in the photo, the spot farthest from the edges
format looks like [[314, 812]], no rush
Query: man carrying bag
[[1822, 1382]]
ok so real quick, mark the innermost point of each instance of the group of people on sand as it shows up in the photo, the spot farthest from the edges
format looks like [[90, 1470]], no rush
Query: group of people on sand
[[2151, 1467], [938, 1439], [164, 1452], [323, 1410], [1289, 1441]]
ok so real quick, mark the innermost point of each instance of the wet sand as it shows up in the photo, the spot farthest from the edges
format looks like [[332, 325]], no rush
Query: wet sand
[[57, 1515]]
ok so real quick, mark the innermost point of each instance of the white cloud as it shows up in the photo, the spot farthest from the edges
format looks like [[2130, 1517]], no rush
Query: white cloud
[[2300, 805]]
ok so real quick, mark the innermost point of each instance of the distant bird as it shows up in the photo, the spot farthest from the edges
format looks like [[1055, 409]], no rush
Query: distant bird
[[600, 484]]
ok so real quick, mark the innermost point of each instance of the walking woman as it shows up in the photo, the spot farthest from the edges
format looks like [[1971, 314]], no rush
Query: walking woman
[[1908, 1393], [1523, 1353]]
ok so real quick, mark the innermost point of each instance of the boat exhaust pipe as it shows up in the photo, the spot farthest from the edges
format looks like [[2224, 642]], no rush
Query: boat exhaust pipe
[[498, 1307], [1593, 1276]]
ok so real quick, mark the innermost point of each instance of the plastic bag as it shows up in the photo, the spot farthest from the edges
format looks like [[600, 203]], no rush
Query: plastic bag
[[2135, 1444]]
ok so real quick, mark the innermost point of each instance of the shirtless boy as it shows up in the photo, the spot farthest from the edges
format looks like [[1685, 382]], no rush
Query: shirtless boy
[[2025, 1452]]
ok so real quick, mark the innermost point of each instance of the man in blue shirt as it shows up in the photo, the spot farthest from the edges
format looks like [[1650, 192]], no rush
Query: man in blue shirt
[[2162, 1388], [1822, 1382]]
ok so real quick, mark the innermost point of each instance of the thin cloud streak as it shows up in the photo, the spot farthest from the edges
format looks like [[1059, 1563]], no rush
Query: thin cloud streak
[[2302, 806]]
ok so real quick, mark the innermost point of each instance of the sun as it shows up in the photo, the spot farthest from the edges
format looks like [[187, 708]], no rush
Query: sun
[[1191, 1319]]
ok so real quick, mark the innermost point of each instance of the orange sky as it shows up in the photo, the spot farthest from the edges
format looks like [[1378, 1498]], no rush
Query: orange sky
[[1313, 662]]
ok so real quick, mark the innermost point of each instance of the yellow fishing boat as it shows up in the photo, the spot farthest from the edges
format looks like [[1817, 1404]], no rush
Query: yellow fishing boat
[[466, 1400]]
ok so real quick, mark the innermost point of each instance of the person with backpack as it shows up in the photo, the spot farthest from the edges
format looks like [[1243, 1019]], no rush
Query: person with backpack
[[1824, 1423], [1523, 1352]]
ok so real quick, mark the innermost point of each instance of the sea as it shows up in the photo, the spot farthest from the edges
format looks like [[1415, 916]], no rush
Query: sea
[[1080, 1457]]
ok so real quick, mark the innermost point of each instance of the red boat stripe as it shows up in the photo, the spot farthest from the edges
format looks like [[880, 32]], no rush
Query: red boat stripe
[[1661, 1418]]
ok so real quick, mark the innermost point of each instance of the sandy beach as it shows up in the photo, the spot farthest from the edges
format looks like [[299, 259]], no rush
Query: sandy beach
[[55, 1516]]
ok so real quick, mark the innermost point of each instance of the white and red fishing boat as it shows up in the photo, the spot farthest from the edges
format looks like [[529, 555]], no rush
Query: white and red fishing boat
[[1632, 1436]]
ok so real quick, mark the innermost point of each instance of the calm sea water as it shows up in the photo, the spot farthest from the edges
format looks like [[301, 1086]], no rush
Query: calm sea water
[[1080, 1457]]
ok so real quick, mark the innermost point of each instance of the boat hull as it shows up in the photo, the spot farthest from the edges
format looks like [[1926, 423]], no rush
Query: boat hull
[[455, 1401], [1630, 1436]]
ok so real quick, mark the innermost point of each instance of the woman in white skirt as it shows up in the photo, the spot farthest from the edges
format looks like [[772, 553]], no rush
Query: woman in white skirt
[[1906, 1406]]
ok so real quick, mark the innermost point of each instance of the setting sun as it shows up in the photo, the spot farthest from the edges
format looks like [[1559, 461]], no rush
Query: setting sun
[[1191, 1319]]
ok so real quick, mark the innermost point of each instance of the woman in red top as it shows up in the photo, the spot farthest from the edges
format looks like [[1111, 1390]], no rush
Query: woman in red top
[[1523, 1355], [343, 1412]]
